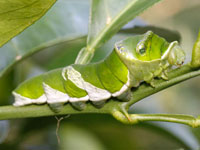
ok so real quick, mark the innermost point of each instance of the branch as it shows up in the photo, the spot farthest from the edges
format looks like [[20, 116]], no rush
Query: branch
[[11, 112], [111, 107]]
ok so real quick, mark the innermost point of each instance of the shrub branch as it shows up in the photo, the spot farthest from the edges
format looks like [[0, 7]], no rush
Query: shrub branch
[[112, 106]]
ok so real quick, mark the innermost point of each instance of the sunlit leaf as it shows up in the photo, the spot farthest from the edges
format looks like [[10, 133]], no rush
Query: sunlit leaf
[[60, 24], [16, 15]]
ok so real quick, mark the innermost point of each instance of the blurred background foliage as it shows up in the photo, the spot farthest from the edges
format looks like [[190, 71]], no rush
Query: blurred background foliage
[[64, 29]]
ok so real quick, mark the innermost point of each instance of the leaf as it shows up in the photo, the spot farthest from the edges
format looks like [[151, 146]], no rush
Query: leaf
[[60, 24], [71, 135], [108, 16], [16, 15], [117, 136], [69, 49], [6, 87], [169, 35], [59, 52]]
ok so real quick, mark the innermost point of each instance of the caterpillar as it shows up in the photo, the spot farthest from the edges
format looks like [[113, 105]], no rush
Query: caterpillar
[[136, 59]]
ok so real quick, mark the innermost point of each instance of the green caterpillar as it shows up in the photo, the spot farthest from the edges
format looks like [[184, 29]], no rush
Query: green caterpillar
[[133, 60]]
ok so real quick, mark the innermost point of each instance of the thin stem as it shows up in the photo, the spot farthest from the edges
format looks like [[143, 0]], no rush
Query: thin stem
[[175, 118], [183, 119], [84, 56]]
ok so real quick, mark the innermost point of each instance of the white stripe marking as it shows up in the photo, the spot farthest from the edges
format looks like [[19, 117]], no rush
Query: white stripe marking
[[124, 88], [128, 83], [21, 100], [75, 77], [76, 99], [63, 73], [54, 96], [95, 93]]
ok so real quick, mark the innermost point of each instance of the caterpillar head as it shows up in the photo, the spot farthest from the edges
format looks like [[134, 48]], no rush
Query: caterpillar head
[[150, 47]]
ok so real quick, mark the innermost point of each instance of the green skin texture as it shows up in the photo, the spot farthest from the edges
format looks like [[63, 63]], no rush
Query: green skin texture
[[139, 58]]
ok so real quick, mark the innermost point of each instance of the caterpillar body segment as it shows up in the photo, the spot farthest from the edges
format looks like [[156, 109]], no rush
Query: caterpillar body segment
[[75, 83], [133, 60]]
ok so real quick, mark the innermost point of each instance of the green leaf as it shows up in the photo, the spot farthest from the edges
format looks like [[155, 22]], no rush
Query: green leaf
[[60, 24], [169, 35], [69, 49], [16, 15], [59, 52], [71, 135], [120, 136], [108, 16], [6, 87]]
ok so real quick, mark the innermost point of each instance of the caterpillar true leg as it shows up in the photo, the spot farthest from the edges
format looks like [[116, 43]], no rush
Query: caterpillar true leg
[[78, 105], [99, 104], [56, 107]]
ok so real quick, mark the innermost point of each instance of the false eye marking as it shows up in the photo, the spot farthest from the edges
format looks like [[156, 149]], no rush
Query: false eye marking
[[141, 46], [141, 49]]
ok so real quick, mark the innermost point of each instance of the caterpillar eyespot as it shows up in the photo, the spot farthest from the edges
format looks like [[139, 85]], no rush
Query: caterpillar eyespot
[[141, 49], [112, 77]]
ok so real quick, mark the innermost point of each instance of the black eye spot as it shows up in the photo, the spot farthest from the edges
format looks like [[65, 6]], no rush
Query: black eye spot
[[142, 50]]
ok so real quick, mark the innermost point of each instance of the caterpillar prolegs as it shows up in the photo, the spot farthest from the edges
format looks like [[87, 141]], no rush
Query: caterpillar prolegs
[[133, 60]]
